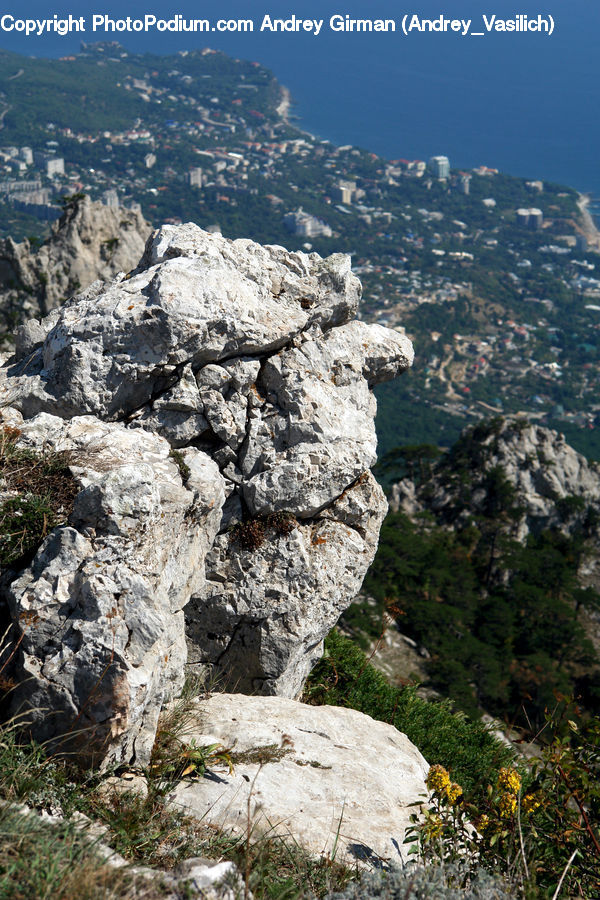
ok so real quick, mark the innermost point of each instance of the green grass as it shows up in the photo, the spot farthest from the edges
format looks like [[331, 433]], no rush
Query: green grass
[[58, 862]]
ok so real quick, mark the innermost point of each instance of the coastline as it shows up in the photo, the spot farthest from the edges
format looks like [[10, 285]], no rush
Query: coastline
[[589, 227], [590, 230], [284, 105]]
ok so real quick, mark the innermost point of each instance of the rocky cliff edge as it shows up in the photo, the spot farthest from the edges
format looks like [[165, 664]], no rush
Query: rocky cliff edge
[[89, 241], [216, 413]]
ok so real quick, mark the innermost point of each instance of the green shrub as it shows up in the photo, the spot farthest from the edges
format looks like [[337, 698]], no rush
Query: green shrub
[[539, 824], [344, 677]]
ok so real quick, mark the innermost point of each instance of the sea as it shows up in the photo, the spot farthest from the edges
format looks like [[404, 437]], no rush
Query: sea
[[524, 102]]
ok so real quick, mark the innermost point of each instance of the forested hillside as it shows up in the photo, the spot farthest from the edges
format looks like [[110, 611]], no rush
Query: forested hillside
[[491, 569]]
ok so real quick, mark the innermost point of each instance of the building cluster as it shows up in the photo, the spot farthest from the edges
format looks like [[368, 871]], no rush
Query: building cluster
[[346, 192], [530, 218], [438, 167], [30, 195], [304, 225]]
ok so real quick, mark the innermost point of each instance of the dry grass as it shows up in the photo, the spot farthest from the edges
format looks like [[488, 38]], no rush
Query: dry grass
[[59, 862], [39, 493]]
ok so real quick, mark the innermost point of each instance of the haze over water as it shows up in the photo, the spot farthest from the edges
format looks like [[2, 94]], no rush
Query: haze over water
[[523, 103]]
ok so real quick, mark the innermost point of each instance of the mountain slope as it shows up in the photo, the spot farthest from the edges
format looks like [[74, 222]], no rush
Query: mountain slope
[[489, 559]]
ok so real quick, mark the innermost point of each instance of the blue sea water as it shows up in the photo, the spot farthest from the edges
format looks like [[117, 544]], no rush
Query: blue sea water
[[525, 103]]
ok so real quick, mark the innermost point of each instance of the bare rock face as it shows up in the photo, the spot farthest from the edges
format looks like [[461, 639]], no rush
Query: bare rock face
[[264, 611], [552, 484], [348, 780], [89, 242], [244, 358], [99, 611]]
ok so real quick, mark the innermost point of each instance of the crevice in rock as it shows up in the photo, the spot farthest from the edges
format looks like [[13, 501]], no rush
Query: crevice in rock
[[174, 378], [249, 409], [236, 629], [314, 519]]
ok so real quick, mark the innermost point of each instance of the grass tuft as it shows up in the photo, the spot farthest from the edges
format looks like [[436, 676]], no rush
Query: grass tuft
[[37, 491]]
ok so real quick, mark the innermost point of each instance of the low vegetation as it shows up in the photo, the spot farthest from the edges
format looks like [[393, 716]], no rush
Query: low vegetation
[[62, 860], [252, 533], [58, 861], [537, 824], [439, 881], [531, 822], [344, 677], [36, 494]]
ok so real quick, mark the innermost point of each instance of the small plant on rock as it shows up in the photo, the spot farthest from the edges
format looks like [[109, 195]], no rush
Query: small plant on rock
[[193, 761], [252, 533], [38, 492]]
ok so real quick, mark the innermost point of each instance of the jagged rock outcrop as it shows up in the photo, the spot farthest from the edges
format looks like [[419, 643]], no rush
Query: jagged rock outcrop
[[244, 359], [98, 614], [551, 484], [334, 779], [89, 242], [525, 476]]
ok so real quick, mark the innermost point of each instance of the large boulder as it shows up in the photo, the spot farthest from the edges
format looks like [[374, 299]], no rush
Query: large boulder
[[98, 613], [245, 358], [335, 780]]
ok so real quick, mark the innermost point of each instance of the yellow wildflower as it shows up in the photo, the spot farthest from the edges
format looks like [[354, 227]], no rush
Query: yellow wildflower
[[510, 780], [507, 805], [531, 802], [433, 826], [484, 823], [453, 793], [438, 779]]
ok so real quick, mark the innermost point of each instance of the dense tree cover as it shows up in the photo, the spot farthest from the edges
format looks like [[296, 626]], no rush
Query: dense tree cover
[[88, 93], [403, 419], [500, 618]]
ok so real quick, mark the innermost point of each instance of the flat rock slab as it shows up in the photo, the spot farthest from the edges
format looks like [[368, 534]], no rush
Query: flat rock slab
[[335, 779]]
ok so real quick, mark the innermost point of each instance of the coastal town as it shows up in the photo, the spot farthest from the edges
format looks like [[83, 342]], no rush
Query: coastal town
[[496, 279]]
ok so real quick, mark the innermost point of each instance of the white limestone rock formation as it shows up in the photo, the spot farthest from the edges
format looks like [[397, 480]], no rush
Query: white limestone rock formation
[[90, 241], [329, 777], [263, 613], [99, 611], [246, 354], [113, 350], [553, 485]]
